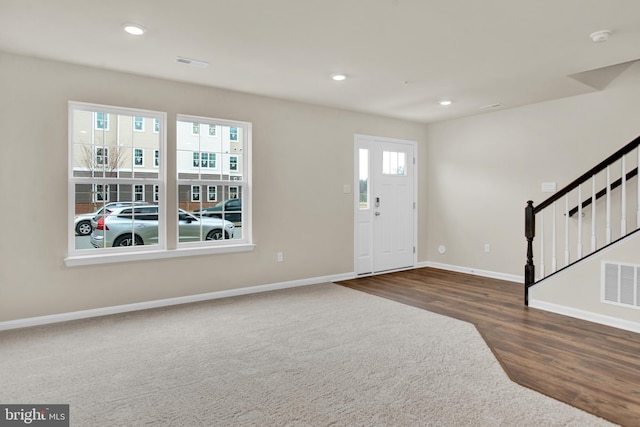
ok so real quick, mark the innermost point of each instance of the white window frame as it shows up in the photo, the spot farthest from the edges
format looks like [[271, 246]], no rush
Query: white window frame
[[233, 136], [231, 169], [135, 120], [195, 195], [100, 189], [105, 120], [135, 157], [212, 134], [242, 181], [209, 193], [156, 126], [169, 245], [136, 192]]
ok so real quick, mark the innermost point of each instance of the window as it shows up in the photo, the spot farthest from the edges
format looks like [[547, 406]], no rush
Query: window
[[102, 121], [100, 192], [110, 178], [233, 163], [138, 156], [138, 193], [102, 156], [212, 130], [195, 193], [138, 124], [212, 193], [128, 204], [394, 163], [204, 183]]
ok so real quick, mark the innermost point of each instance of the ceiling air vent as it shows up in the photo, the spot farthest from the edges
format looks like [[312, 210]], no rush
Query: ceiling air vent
[[192, 62]]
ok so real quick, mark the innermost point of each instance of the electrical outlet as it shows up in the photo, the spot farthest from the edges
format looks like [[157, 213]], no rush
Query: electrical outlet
[[280, 257]]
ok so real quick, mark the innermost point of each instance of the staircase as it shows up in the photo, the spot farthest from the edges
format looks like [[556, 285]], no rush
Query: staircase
[[596, 210]]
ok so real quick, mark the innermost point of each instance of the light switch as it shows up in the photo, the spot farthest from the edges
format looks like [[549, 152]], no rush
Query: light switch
[[346, 189], [549, 187]]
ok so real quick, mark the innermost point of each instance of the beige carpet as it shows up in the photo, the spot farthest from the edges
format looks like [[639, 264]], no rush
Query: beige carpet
[[320, 355]]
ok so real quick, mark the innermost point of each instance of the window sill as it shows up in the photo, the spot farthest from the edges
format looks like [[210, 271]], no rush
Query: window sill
[[79, 260]]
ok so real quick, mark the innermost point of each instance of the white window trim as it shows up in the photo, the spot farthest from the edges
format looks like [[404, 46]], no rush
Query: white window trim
[[144, 190], [192, 193], [141, 165], [215, 187], [155, 121], [134, 124], [140, 253], [106, 120]]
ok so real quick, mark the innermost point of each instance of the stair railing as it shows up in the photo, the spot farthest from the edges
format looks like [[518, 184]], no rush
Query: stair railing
[[567, 226]]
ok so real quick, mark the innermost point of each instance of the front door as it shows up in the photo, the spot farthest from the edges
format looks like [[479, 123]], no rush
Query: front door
[[385, 204]]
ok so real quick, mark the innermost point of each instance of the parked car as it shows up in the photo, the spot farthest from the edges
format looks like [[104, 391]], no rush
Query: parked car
[[82, 222], [232, 209], [138, 225]]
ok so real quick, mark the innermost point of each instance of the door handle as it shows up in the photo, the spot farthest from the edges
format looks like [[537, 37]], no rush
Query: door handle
[[377, 213]]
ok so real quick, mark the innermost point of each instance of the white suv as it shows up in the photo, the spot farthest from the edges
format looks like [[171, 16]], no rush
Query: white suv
[[138, 225]]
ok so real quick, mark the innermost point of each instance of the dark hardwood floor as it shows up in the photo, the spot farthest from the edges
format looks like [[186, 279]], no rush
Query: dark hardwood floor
[[593, 367]]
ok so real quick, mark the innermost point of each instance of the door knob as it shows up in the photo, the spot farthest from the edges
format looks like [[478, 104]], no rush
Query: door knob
[[377, 213]]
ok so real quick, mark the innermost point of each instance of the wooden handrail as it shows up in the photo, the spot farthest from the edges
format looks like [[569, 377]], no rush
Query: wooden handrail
[[615, 184], [531, 211], [598, 168]]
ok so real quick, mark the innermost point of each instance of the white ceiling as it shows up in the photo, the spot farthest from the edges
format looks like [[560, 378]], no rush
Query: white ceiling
[[401, 56]]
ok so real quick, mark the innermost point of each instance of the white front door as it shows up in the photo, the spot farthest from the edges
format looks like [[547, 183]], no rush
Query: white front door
[[385, 204]]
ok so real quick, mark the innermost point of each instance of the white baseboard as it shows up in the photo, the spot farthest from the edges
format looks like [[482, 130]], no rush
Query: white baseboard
[[105, 311], [474, 271], [586, 315]]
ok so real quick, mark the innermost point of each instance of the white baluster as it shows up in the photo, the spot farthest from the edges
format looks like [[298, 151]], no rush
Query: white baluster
[[638, 185], [593, 214], [554, 261], [608, 230], [566, 230], [623, 199], [542, 275], [579, 250]]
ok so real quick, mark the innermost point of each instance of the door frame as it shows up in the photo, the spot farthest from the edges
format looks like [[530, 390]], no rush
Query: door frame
[[368, 142]]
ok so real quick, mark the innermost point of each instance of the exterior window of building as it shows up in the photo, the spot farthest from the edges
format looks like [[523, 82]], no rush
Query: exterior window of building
[[138, 157], [100, 193], [212, 193], [156, 125], [233, 163], [138, 124], [212, 160], [196, 159], [196, 129], [156, 158], [102, 121], [195, 193], [212, 130], [233, 192], [156, 193], [233, 134], [102, 156], [138, 193]]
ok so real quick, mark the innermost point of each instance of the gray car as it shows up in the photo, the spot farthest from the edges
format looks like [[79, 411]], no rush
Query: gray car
[[138, 225], [84, 223]]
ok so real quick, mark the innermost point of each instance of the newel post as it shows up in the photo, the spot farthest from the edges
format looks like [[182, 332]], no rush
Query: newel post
[[529, 233]]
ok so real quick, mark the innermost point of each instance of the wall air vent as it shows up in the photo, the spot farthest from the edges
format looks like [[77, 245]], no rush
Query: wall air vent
[[191, 62], [621, 284]]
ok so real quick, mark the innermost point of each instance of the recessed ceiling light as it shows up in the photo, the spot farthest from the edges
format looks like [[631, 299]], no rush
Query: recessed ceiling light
[[338, 77], [445, 102], [134, 29]]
